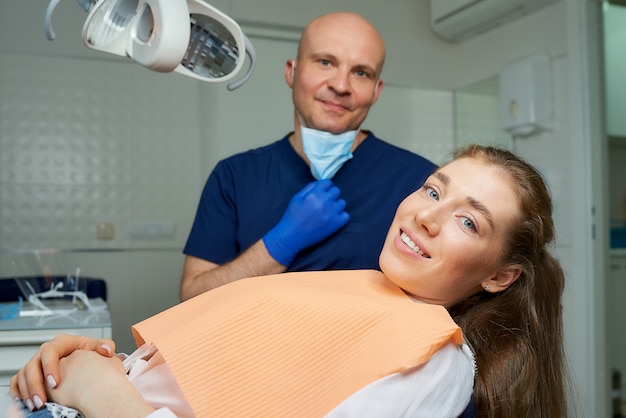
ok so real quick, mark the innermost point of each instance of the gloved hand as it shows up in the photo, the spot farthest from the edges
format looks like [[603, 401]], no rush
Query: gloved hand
[[313, 214]]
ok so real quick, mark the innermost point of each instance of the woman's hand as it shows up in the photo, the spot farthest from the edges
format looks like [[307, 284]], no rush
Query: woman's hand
[[98, 387], [28, 383]]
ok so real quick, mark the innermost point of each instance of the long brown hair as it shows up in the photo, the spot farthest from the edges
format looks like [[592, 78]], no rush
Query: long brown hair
[[517, 334]]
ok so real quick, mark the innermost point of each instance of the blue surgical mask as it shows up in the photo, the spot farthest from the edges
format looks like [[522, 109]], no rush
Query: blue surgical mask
[[326, 152]]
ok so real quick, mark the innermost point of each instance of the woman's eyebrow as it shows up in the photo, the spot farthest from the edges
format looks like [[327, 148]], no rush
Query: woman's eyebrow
[[482, 209], [442, 177]]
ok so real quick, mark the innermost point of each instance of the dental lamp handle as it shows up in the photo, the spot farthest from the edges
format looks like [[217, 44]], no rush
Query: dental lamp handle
[[86, 4], [313, 214], [47, 20], [252, 55]]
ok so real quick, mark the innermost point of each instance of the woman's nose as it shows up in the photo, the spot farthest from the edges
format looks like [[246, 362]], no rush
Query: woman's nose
[[428, 219]]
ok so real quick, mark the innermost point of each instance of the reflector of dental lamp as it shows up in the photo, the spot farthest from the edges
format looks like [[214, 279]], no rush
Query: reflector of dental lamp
[[154, 33], [189, 37], [216, 46]]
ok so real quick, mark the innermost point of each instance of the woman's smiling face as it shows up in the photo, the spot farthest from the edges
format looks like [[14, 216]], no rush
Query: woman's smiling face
[[446, 240]]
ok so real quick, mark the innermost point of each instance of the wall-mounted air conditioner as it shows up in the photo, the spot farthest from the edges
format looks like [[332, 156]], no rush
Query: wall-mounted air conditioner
[[456, 20]]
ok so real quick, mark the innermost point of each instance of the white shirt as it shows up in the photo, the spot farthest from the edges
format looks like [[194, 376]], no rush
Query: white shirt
[[442, 388]]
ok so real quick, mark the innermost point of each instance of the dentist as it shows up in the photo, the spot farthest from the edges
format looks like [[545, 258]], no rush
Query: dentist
[[322, 197]]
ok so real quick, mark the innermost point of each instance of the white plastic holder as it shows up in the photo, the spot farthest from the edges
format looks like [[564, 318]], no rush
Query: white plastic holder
[[54, 292], [526, 95]]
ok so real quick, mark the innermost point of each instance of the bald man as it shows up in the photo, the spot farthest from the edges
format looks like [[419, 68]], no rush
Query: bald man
[[323, 196]]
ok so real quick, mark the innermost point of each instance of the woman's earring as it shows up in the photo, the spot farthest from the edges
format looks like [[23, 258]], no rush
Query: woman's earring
[[487, 287]]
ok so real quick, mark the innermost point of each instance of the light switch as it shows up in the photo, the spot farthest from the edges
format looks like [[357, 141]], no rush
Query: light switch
[[105, 230]]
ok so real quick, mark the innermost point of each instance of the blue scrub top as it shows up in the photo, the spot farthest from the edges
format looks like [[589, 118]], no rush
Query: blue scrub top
[[246, 195]]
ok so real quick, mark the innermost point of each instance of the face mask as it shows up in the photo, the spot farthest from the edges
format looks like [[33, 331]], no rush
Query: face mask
[[326, 152]]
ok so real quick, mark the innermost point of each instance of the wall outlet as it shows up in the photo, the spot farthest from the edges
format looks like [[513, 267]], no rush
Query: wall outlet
[[105, 230]]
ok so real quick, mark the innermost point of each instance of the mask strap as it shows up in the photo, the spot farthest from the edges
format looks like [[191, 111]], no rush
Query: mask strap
[[302, 124]]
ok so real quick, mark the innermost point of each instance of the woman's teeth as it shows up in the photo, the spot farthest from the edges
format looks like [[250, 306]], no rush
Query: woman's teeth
[[412, 245]]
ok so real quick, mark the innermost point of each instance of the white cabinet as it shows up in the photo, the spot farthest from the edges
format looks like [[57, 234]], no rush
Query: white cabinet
[[21, 337]]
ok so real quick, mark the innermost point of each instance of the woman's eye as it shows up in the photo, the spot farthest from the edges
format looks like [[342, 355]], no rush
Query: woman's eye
[[468, 223], [432, 193]]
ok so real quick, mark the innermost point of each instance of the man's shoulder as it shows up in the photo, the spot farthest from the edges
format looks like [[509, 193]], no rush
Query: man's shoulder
[[280, 146]]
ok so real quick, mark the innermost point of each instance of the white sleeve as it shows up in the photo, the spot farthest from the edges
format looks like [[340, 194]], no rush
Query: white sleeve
[[162, 413], [440, 388]]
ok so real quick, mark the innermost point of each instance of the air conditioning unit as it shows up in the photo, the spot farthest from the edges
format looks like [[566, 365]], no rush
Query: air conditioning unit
[[456, 20]]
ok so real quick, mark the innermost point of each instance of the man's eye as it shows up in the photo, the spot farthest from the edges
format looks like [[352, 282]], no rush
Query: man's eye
[[325, 62]]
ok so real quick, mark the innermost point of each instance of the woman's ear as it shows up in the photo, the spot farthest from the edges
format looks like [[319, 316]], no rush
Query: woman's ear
[[503, 278]]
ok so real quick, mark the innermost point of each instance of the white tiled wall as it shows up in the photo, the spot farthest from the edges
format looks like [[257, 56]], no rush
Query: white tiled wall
[[84, 142], [419, 120], [478, 119]]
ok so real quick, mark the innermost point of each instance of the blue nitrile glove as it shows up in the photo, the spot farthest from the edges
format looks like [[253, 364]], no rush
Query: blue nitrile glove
[[313, 214]]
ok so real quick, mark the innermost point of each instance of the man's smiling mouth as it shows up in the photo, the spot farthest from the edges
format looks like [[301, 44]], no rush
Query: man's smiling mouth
[[405, 238]]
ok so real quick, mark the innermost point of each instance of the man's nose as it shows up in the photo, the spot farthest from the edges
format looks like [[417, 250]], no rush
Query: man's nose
[[340, 81]]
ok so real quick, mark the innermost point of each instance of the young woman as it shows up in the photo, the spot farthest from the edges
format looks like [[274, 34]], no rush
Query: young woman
[[469, 249]]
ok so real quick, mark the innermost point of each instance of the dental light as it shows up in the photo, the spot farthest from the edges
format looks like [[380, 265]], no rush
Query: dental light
[[189, 37]]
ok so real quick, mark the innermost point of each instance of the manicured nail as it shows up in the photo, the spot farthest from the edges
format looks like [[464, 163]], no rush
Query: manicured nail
[[51, 382], [29, 405], [38, 401], [107, 348]]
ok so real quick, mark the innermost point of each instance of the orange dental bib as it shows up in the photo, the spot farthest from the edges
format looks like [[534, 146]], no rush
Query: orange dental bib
[[293, 344]]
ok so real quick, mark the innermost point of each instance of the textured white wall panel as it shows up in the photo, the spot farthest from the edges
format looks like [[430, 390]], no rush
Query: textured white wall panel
[[478, 120], [419, 120], [84, 142]]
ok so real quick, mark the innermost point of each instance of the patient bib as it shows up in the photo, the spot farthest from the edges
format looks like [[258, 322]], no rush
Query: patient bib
[[293, 344]]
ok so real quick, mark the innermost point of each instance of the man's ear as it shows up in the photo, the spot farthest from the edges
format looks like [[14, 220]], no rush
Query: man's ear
[[290, 68], [377, 89], [503, 278]]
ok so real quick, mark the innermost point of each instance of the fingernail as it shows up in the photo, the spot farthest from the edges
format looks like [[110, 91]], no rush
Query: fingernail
[[38, 401], [29, 405], [107, 347], [51, 382]]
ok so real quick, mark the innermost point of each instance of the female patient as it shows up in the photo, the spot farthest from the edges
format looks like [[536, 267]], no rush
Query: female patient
[[468, 249]]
